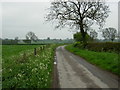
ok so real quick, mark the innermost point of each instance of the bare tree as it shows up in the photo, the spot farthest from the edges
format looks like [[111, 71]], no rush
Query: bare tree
[[31, 36], [93, 34], [16, 38], [78, 14], [109, 33]]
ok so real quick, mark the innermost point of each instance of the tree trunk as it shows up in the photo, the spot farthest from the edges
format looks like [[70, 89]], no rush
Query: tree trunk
[[83, 33]]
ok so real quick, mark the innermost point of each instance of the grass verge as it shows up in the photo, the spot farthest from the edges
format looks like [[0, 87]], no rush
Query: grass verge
[[27, 71], [104, 60]]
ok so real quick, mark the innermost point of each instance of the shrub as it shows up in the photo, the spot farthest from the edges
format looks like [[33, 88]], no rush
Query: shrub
[[78, 45], [78, 37]]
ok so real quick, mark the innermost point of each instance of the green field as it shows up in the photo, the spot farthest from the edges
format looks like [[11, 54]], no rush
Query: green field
[[22, 69], [9, 50], [105, 60]]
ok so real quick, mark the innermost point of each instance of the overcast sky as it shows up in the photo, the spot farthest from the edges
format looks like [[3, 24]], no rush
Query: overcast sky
[[20, 17]]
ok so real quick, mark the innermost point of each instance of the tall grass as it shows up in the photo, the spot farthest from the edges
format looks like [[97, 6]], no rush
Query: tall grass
[[105, 60]]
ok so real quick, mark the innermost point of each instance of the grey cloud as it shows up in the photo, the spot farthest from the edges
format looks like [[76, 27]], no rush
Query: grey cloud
[[19, 18]]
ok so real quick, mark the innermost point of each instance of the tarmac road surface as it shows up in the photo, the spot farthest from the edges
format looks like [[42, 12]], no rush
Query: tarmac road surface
[[75, 72]]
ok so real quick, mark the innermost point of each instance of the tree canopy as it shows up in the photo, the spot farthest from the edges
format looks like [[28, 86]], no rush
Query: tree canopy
[[109, 33], [78, 14], [31, 36]]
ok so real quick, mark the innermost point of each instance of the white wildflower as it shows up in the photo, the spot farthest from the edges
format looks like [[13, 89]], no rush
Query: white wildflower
[[10, 70], [19, 75]]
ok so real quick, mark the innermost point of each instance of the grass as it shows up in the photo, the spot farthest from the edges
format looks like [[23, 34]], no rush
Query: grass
[[105, 60], [22, 69], [9, 50]]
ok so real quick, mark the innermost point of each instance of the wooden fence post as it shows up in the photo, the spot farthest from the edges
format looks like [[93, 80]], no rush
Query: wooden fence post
[[35, 51], [43, 47], [24, 57]]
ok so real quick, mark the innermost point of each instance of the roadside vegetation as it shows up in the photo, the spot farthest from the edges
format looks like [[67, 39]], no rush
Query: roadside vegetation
[[105, 60], [22, 69]]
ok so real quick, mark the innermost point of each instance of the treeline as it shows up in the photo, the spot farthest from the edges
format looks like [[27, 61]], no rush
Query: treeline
[[31, 42], [9, 41]]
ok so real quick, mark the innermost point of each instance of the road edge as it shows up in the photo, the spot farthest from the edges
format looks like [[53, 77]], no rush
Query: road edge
[[55, 83]]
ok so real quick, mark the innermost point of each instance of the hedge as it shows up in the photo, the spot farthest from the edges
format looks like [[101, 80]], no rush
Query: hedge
[[102, 46]]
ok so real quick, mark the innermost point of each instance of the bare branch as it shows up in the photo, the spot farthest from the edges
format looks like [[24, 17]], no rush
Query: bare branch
[[78, 14]]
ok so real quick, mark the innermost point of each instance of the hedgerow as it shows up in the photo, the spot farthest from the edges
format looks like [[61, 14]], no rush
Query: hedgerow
[[100, 46], [106, 46]]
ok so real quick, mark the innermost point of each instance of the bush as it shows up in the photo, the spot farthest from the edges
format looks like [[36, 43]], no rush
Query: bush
[[78, 37], [78, 45]]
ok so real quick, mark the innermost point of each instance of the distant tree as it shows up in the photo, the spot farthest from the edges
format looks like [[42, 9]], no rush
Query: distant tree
[[60, 39], [48, 38], [93, 34], [78, 14], [16, 38], [31, 36], [109, 33]]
